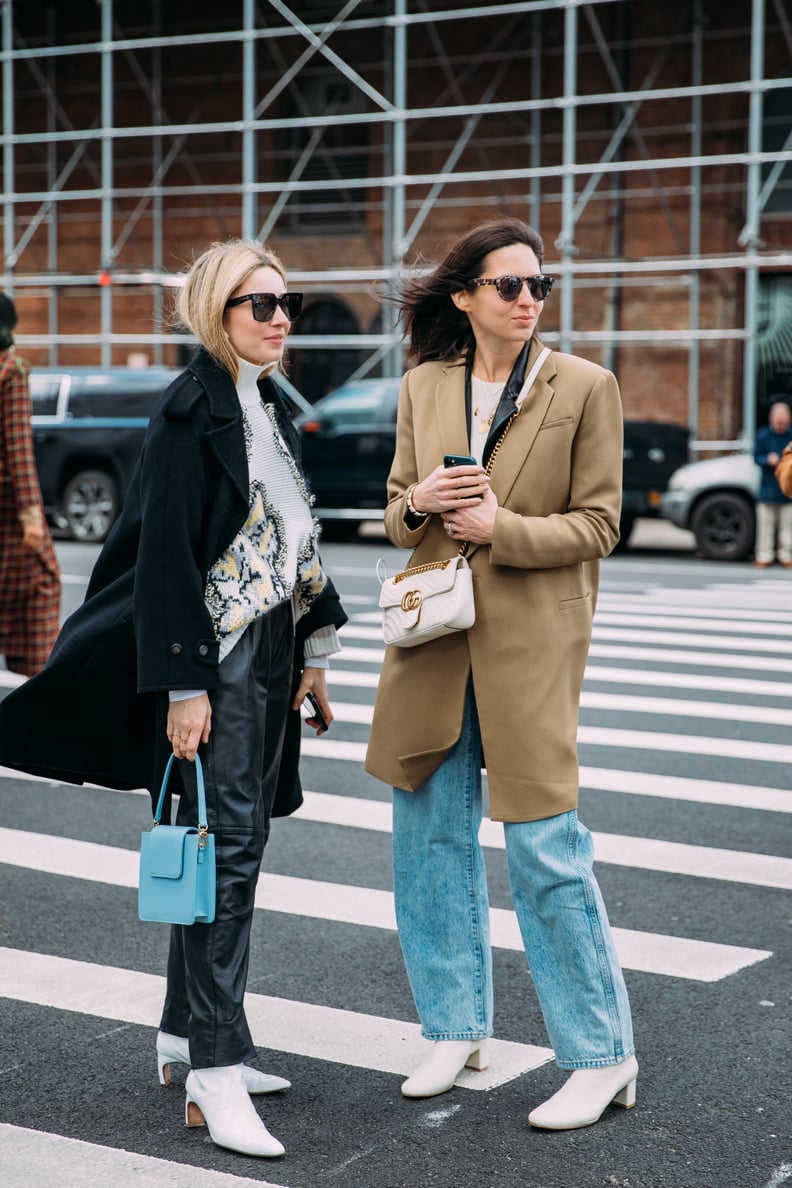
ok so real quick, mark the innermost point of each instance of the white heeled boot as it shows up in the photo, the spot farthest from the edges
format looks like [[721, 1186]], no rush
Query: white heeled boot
[[586, 1095], [175, 1049], [444, 1064], [218, 1098]]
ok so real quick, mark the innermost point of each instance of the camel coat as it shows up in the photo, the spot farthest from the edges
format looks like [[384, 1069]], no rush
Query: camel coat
[[557, 478]]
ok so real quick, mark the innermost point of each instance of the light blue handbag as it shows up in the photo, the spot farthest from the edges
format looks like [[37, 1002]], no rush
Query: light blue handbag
[[177, 881]]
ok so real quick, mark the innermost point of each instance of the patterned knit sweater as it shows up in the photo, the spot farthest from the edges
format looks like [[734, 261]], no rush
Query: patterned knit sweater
[[274, 556]]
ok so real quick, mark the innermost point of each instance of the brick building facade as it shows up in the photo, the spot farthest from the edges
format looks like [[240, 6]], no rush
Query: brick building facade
[[623, 130]]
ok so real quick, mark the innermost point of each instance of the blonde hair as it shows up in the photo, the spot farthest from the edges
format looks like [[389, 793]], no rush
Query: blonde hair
[[211, 280]]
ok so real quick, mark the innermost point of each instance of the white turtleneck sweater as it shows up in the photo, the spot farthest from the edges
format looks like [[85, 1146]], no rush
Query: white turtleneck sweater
[[274, 557]]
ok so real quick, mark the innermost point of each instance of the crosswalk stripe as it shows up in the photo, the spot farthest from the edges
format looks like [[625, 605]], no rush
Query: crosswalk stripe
[[359, 627], [603, 779], [685, 613], [674, 656], [283, 1025], [343, 903], [640, 853], [32, 1158], [716, 682], [355, 655], [646, 952], [640, 783], [737, 643], [686, 744], [657, 618], [717, 615], [723, 711], [347, 711], [361, 680], [712, 682], [594, 736], [628, 634]]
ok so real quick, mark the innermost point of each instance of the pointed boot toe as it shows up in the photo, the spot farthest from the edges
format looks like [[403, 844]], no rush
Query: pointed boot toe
[[175, 1049], [257, 1082], [217, 1098]]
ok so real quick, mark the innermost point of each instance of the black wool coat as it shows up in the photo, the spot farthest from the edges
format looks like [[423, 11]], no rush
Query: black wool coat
[[97, 712]]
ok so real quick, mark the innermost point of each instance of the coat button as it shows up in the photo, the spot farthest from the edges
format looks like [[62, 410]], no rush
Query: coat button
[[175, 649], [203, 649]]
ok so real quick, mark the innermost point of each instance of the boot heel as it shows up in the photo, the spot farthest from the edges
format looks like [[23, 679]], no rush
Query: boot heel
[[626, 1097], [193, 1116], [478, 1060], [164, 1071]]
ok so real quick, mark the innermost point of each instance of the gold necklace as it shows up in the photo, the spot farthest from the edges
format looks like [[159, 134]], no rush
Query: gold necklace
[[486, 422]]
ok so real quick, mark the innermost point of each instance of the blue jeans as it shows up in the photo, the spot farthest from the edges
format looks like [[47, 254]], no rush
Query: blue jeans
[[442, 911]]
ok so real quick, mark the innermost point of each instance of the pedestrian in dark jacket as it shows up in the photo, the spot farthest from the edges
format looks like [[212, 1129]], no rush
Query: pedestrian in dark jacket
[[29, 576], [207, 620], [773, 508]]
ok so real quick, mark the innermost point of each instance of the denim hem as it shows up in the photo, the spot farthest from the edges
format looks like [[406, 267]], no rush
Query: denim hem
[[571, 1066], [454, 1035]]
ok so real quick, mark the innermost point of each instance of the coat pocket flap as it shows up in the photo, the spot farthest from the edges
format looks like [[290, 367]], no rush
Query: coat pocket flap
[[163, 850]]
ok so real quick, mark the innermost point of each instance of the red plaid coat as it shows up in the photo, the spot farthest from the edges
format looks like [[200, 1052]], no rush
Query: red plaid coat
[[29, 582]]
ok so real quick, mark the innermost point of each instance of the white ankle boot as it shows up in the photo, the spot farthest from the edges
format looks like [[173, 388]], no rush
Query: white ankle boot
[[175, 1049], [218, 1097], [586, 1095], [442, 1067]]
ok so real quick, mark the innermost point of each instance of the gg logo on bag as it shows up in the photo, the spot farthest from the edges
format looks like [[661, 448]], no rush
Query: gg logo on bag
[[411, 600]]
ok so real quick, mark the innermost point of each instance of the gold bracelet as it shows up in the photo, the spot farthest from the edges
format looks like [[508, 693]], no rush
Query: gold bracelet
[[410, 507]]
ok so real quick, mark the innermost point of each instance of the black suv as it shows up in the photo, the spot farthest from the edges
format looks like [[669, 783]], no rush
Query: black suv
[[349, 437], [88, 427]]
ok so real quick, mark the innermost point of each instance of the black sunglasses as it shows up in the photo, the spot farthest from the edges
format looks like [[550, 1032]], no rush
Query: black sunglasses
[[263, 305], [509, 288]]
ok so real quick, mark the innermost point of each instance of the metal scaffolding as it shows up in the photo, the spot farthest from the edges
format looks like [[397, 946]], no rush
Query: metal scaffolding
[[368, 131]]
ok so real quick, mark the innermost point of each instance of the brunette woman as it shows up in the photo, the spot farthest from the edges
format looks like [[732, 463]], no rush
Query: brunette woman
[[504, 693]]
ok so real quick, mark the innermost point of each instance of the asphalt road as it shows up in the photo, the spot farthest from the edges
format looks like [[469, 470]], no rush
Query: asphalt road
[[685, 755]]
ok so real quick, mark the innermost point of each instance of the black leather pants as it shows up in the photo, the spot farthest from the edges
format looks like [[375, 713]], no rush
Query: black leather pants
[[208, 963]]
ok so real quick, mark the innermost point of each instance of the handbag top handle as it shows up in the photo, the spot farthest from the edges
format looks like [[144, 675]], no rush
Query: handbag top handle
[[202, 825]]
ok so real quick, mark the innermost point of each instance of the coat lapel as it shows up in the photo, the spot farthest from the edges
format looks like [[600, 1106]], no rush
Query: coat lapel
[[517, 444], [449, 411], [227, 438]]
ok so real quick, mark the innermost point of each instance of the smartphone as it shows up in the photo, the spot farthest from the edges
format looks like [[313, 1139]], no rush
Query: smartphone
[[316, 713], [459, 460]]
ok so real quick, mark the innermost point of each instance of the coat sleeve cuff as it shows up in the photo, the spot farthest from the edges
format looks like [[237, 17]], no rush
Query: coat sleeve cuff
[[322, 642]]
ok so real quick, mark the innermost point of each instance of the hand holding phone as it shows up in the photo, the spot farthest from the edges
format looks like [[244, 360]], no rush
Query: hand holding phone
[[316, 714], [459, 460]]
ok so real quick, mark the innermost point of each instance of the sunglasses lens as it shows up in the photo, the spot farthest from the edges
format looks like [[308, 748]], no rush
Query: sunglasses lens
[[263, 305], [291, 304], [509, 287], [539, 287]]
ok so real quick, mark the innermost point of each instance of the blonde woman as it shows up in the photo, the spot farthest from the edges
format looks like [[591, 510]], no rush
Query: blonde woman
[[207, 620]]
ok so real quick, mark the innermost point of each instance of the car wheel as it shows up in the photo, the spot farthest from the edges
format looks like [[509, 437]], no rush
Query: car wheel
[[90, 505], [724, 526]]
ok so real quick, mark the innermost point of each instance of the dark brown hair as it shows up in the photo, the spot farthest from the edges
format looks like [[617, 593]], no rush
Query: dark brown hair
[[433, 326]]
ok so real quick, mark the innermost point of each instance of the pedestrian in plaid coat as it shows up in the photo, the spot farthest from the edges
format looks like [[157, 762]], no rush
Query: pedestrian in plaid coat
[[29, 575]]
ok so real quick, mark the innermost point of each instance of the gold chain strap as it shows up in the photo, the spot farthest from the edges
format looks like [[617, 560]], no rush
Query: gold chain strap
[[499, 442], [422, 569]]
